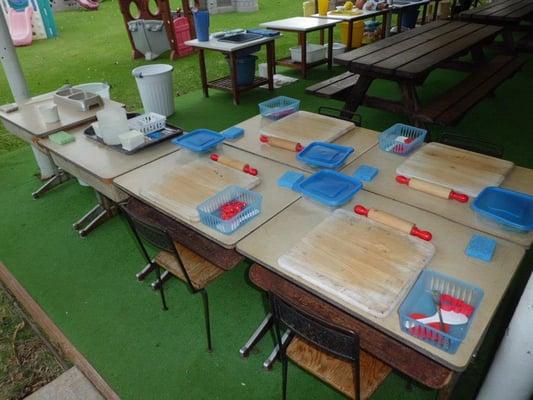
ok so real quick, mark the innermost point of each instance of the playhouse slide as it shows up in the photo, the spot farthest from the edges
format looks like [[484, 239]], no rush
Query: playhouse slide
[[89, 4], [20, 26]]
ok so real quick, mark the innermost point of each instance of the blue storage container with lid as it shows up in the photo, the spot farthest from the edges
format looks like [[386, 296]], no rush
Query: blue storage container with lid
[[325, 155], [329, 187], [199, 140], [509, 208]]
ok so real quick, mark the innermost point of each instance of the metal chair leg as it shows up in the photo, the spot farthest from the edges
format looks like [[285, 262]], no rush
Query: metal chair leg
[[285, 367], [207, 321], [161, 290]]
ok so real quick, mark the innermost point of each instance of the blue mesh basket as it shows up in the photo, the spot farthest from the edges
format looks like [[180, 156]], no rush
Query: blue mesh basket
[[279, 107], [209, 210], [401, 139], [419, 300]]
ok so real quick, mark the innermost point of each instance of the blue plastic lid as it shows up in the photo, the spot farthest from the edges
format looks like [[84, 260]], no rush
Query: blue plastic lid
[[199, 140], [233, 133], [329, 187], [508, 207], [326, 155]]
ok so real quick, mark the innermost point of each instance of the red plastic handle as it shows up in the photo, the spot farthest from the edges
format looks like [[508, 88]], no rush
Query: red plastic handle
[[214, 157], [403, 180], [361, 210], [462, 198], [424, 235], [263, 138]]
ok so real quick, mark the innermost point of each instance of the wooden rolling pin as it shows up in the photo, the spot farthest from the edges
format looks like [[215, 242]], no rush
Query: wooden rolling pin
[[432, 188], [230, 162], [393, 221], [281, 143]]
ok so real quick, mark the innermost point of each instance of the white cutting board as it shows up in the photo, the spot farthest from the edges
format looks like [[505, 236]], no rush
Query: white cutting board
[[305, 127], [358, 263], [460, 170], [179, 192]]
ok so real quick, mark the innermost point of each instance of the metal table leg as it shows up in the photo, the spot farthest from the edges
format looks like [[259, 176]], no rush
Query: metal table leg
[[143, 273], [285, 340], [59, 177], [103, 211], [165, 276], [261, 330]]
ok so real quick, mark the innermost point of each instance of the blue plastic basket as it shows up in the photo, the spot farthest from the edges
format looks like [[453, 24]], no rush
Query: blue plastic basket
[[279, 107], [209, 210], [392, 139], [419, 300]]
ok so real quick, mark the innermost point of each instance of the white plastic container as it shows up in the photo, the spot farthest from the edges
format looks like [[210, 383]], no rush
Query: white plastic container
[[315, 52], [131, 140], [49, 113], [338, 49], [155, 87], [112, 121], [99, 88]]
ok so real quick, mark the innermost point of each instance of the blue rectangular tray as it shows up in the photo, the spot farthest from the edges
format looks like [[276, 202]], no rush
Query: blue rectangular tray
[[199, 140], [507, 207], [325, 155], [329, 187]]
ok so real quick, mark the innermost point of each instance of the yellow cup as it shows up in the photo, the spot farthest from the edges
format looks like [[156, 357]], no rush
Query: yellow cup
[[323, 6]]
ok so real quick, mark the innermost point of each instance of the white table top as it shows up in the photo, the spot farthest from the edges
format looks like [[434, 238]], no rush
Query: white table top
[[279, 235], [359, 138], [28, 118], [519, 179], [300, 24], [275, 198], [215, 44], [100, 160], [351, 17]]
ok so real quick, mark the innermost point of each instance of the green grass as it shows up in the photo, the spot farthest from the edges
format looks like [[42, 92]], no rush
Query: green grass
[[88, 286]]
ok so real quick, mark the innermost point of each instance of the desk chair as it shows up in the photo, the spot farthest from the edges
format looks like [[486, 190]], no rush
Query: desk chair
[[327, 351], [475, 145], [179, 261]]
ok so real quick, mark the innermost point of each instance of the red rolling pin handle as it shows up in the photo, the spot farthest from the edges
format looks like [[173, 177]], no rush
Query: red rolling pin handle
[[462, 198], [415, 231], [246, 167], [297, 147]]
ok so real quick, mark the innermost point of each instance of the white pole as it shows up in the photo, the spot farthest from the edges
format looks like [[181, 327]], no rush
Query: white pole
[[511, 373], [11, 64]]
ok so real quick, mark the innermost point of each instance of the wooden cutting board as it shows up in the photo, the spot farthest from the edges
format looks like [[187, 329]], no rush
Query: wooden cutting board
[[457, 169], [179, 192], [305, 127], [357, 262]]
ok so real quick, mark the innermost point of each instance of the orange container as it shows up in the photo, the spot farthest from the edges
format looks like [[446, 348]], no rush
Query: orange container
[[357, 34], [323, 6]]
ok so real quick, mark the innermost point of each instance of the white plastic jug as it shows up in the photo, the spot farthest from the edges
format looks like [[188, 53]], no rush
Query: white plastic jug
[[155, 87], [112, 121]]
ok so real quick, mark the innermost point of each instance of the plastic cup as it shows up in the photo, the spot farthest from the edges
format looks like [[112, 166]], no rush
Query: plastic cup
[[323, 6], [49, 113], [201, 23]]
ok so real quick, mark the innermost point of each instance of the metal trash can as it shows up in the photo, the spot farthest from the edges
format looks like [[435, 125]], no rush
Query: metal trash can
[[155, 87]]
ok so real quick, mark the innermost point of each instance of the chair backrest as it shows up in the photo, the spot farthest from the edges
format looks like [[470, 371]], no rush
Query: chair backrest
[[331, 338], [471, 144]]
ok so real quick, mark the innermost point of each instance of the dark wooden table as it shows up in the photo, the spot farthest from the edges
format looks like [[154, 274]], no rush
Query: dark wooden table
[[512, 15], [408, 58]]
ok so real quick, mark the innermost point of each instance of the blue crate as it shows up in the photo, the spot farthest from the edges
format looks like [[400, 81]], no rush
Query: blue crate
[[279, 107], [419, 300], [209, 210], [388, 139]]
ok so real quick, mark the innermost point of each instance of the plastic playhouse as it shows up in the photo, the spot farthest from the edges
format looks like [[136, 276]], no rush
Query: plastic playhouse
[[29, 20], [152, 33]]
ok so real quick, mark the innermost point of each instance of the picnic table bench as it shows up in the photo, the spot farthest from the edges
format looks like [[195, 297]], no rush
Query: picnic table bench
[[510, 14], [408, 58]]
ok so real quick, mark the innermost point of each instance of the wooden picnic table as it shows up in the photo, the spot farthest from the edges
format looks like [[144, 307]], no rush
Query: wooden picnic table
[[409, 57], [383, 337], [510, 14]]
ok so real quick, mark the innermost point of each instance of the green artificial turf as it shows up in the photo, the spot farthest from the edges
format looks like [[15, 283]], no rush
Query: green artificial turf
[[88, 287]]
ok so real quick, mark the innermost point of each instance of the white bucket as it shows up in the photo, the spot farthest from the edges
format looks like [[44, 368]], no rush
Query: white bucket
[[155, 87], [337, 50], [101, 89]]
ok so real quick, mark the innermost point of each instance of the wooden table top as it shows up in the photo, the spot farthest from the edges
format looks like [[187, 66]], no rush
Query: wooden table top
[[228, 47], [28, 118], [279, 235], [300, 24], [101, 161], [500, 12], [519, 179], [413, 54], [275, 198], [359, 138]]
